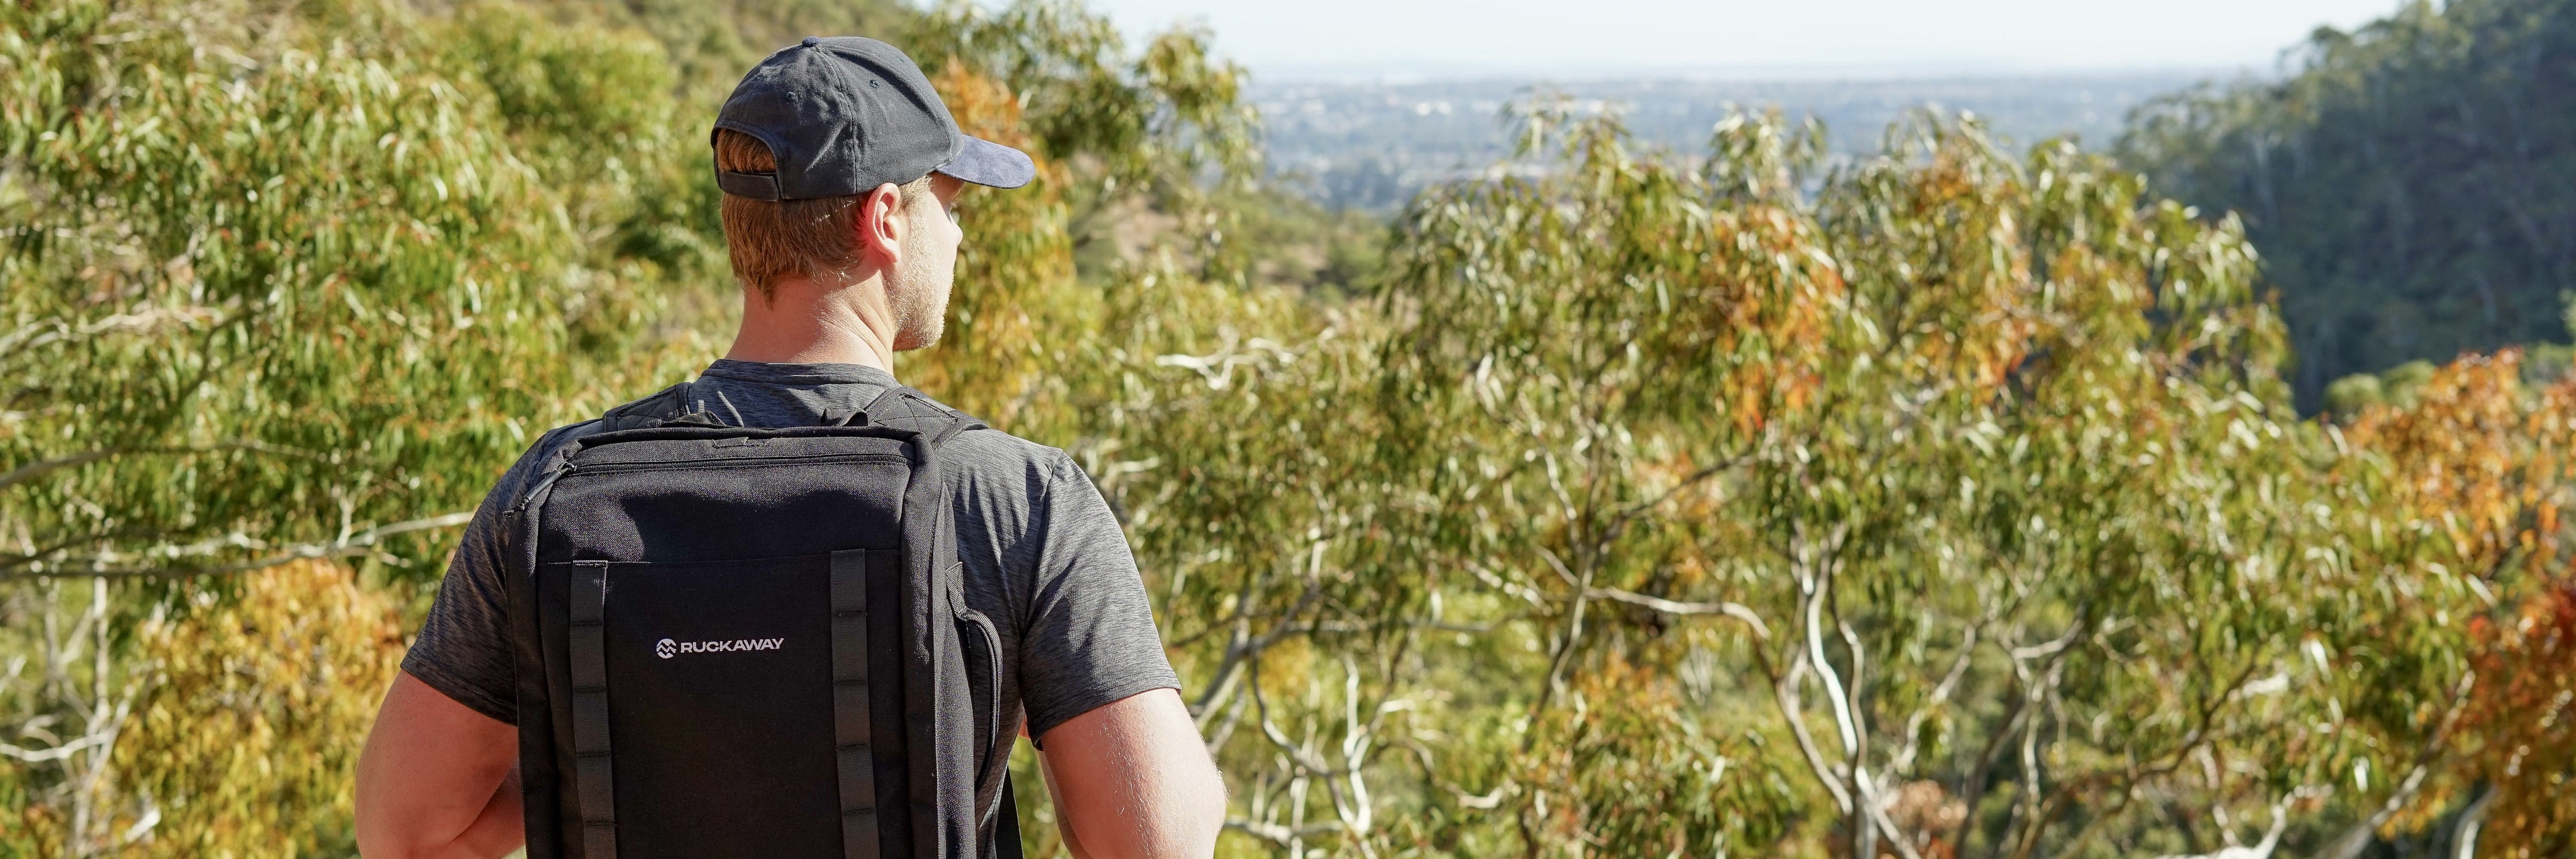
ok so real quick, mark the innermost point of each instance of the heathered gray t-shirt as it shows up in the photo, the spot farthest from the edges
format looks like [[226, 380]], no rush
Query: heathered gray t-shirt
[[1043, 557]]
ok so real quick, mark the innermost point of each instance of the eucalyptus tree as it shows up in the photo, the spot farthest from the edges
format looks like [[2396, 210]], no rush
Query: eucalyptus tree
[[1950, 503], [277, 292]]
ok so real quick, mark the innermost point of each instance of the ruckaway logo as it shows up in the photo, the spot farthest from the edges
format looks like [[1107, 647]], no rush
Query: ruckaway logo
[[667, 648]]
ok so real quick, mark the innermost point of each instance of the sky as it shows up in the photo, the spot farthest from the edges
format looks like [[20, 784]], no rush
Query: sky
[[1307, 39]]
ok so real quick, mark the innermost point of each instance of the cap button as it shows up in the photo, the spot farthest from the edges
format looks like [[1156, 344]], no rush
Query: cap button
[[811, 40]]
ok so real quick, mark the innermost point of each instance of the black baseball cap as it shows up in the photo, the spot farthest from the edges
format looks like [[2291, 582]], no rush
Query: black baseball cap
[[846, 114]]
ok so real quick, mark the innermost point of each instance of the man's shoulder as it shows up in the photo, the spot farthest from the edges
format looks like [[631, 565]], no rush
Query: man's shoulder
[[987, 454], [547, 449], [533, 461], [988, 458]]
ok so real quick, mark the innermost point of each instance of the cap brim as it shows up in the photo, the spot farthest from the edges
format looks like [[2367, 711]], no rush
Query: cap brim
[[992, 165]]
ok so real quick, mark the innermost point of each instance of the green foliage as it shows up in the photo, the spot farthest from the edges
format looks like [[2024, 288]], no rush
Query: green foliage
[[2394, 387], [246, 748], [1165, 116], [272, 327], [710, 43], [1144, 134], [2410, 185], [274, 297], [1291, 241], [1965, 494]]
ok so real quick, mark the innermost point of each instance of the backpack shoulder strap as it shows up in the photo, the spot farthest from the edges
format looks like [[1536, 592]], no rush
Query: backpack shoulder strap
[[539, 782], [675, 405], [672, 406], [946, 739], [902, 407], [1006, 826]]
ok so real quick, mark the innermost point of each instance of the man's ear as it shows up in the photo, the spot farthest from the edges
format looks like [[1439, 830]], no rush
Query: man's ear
[[880, 224]]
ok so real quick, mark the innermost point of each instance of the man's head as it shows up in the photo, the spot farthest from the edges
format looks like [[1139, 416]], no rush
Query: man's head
[[906, 232], [840, 164]]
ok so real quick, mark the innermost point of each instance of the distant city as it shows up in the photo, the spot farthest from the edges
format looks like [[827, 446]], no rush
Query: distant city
[[1372, 145]]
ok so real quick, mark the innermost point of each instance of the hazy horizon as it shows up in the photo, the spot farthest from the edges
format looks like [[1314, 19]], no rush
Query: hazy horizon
[[1393, 74], [1740, 40], [1372, 144]]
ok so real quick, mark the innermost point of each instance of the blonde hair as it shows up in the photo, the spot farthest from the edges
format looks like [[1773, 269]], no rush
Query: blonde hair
[[771, 240]]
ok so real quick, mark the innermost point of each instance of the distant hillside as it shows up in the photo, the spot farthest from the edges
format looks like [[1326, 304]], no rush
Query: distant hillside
[[2413, 189], [1370, 145]]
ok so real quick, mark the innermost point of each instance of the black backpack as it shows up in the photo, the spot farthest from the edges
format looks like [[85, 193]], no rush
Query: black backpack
[[755, 642]]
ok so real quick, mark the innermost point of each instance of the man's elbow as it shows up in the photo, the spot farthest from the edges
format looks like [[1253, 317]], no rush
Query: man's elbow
[[383, 828], [436, 779], [384, 831], [494, 832], [1205, 809], [380, 838]]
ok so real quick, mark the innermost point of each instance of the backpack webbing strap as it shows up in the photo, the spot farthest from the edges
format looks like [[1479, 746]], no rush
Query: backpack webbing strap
[[1006, 829], [856, 760], [588, 652]]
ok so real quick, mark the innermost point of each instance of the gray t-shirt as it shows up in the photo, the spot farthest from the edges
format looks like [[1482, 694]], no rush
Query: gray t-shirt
[[1043, 557]]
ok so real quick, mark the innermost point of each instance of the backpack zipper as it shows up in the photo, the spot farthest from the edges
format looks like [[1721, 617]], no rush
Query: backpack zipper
[[751, 462]]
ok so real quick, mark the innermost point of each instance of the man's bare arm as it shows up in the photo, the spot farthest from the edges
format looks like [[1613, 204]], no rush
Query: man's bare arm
[[437, 780], [1132, 779]]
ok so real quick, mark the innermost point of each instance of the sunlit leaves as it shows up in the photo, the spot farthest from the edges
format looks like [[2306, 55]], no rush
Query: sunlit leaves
[[277, 291], [249, 744]]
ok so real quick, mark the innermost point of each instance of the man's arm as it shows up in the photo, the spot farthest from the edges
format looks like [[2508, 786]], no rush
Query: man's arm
[[437, 780], [1132, 778]]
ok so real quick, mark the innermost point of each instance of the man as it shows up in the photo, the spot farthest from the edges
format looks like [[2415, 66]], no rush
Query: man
[[842, 171]]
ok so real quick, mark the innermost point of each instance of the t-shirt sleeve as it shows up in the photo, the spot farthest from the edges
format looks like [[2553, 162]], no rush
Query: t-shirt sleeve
[[1090, 638], [464, 648]]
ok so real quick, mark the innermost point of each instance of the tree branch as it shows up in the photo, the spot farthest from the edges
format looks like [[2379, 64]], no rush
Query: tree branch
[[1278, 834], [2357, 838], [355, 544], [1734, 610]]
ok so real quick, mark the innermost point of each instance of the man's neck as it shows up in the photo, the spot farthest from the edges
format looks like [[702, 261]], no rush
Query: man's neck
[[802, 321]]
